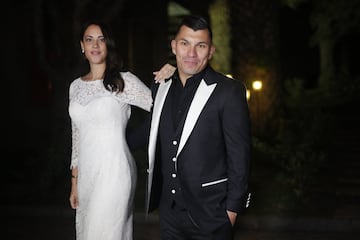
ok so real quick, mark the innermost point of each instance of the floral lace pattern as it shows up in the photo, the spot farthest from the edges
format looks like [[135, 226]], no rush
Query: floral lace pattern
[[135, 93], [106, 169]]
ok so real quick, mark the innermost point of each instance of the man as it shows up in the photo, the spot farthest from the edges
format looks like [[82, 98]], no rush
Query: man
[[199, 144]]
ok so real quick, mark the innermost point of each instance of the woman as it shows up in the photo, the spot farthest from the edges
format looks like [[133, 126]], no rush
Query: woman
[[103, 169]]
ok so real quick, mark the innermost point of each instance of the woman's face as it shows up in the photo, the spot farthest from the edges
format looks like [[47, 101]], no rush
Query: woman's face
[[93, 44]]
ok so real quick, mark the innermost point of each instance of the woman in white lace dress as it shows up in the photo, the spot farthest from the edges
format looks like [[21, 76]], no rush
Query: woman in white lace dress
[[103, 169]]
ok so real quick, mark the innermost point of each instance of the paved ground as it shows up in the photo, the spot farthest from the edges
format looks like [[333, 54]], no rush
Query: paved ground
[[57, 223], [26, 215]]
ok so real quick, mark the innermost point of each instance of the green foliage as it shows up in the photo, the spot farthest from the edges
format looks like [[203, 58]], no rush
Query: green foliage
[[298, 150], [220, 23], [293, 3]]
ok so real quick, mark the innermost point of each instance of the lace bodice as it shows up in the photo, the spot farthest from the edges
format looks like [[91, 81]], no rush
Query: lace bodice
[[135, 91], [82, 92]]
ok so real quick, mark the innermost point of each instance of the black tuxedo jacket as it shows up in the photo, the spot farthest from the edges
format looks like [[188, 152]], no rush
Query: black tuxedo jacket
[[213, 154]]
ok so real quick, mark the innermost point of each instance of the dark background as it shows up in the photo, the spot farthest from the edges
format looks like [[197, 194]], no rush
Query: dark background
[[305, 122]]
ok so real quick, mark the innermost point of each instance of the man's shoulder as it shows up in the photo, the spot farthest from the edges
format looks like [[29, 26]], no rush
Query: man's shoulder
[[225, 80]]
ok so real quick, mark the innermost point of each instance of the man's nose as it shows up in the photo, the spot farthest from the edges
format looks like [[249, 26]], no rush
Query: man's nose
[[192, 51]]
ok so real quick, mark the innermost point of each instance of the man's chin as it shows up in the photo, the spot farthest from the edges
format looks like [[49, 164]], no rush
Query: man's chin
[[191, 71]]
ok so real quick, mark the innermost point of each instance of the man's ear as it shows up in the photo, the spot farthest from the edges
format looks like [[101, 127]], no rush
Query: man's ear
[[173, 46], [212, 51]]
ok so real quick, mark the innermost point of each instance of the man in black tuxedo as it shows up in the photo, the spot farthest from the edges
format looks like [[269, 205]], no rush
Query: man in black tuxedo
[[199, 144]]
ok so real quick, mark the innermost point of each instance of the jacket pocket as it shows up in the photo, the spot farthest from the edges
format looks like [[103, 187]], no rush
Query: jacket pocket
[[214, 182]]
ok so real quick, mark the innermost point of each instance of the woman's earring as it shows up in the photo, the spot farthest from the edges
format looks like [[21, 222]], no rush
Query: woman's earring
[[82, 51]]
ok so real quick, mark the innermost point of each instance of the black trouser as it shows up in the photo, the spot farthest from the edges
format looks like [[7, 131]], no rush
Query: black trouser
[[178, 224]]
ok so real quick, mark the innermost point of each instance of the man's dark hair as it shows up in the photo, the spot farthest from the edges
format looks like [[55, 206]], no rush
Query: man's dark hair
[[195, 23]]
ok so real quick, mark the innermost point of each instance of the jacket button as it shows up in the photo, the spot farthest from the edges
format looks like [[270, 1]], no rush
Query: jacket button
[[174, 143], [173, 175], [173, 191]]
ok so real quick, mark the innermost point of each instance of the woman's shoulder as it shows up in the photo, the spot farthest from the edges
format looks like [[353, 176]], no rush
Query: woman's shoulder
[[75, 81], [130, 78], [132, 82], [127, 75], [78, 84]]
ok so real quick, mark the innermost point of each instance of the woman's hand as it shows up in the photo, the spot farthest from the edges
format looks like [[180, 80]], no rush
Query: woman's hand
[[74, 201], [165, 72]]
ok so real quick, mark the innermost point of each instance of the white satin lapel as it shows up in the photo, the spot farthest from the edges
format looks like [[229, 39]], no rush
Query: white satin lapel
[[158, 105], [201, 96]]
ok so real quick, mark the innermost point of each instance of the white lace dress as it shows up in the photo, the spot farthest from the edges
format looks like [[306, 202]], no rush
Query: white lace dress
[[106, 168]]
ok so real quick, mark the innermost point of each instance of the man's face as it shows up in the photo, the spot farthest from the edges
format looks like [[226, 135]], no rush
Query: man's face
[[193, 50]]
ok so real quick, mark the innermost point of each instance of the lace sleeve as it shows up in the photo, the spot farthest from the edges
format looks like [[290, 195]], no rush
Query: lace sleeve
[[75, 144], [74, 137], [136, 92]]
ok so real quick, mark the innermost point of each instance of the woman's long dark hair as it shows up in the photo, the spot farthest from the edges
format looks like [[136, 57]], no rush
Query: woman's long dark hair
[[113, 80]]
